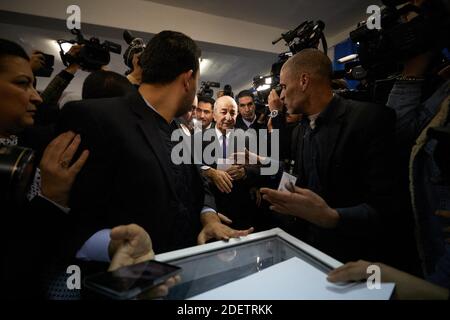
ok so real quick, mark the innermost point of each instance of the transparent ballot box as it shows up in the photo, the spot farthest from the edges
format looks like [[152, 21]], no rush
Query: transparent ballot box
[[266, 265]]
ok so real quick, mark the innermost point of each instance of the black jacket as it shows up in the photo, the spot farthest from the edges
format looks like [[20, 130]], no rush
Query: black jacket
[[355, 142], [240, 204], [128, 176], [240, 124]]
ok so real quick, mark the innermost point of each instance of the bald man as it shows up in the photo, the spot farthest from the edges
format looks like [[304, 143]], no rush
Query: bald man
[[343, 151]]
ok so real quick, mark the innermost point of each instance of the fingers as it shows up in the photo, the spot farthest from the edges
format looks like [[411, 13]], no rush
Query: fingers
[[352, 271], [235, 172], [78, 165], [172, 281], [232, 233], [161, 290], [224, 219], [275, 196], [224, 183], [243, 233], [258, 198], [201, 239], [71, 149], [122, 233], [61, 151], [57, 146], [156, 292], [278, 208]]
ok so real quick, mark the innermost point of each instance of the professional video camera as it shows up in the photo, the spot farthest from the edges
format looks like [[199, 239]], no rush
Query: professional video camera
[[382, 51], [308, 34], [93, 54], [205, 88], [16, 173], [135, 46], [228, 90]]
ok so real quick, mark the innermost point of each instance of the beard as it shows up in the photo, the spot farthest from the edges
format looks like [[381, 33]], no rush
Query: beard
[[186, 104]]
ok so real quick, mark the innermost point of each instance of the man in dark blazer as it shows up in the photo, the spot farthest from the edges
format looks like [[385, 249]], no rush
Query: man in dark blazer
[[343, 152], [130, 176], [247, 117], [231, 183]]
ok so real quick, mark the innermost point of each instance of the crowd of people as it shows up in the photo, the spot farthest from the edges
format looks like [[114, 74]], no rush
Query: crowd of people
[[371, 183]]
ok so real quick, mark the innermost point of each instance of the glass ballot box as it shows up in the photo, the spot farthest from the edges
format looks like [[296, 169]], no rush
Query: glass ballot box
[[268, 265]]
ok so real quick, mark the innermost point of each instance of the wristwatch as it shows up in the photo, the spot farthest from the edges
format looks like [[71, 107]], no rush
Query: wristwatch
[[273, 113]]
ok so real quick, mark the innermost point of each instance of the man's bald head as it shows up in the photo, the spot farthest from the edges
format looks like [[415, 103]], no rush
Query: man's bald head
[[312, 61], [224, 101]]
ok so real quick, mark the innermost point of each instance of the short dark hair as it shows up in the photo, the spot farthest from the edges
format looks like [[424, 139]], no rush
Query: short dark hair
[[167, 55], [245, 93], [10, 48], [105, 84], [206, 99]]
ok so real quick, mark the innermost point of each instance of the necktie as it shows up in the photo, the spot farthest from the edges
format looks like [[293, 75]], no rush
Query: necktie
[[224, 146]]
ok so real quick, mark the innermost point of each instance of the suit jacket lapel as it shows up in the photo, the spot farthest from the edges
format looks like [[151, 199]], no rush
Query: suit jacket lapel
[[149, 127], [328, 136]]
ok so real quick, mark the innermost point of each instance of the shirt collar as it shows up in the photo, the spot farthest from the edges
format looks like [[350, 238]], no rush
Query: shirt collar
[[153, 108], [249, 123], [219, 133], [317, 118]]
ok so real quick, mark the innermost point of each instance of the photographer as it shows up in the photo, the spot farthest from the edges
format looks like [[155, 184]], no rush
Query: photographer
[[52, 93]]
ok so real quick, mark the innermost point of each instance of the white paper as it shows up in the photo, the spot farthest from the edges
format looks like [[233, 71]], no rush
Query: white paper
[[294, 279], [286, 180]]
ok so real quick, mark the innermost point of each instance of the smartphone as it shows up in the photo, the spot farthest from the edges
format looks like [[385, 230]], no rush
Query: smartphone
[[47, 68], [128, 282]]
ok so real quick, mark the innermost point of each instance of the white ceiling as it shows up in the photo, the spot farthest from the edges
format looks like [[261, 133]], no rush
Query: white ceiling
[[227, 64], [285, 14]]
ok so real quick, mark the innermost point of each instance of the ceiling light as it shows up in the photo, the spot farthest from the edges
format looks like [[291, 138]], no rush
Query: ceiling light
[[204, 64]]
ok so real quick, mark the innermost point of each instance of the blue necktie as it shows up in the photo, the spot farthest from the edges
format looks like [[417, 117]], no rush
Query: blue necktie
[[224, 146]]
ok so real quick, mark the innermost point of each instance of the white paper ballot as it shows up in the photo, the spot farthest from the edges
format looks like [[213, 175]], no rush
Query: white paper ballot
[[287, 180], [294, 279]]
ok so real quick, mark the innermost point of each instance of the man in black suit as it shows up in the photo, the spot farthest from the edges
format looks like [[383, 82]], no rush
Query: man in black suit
[[247, 118], [204, 112], [343, 153], [130, 176], [231, 182]]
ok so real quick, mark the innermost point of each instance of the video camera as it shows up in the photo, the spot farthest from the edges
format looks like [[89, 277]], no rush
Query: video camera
[[308, 34], [135, 46], [381, 52], [205, 88], [93, 54], [17, 169]]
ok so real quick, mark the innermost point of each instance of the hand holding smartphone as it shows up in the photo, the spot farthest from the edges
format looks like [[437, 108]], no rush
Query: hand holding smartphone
[[130, 281]]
